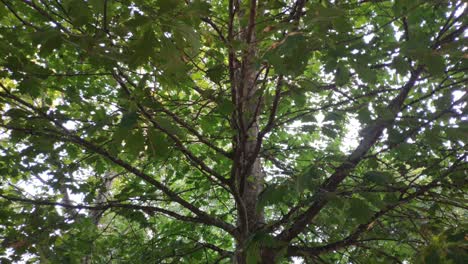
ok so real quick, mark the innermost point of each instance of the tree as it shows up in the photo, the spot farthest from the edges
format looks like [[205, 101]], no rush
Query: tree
[[170, 131]]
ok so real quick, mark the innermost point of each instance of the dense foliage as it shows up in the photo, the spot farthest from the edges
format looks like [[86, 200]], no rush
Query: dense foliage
[[196, 131]]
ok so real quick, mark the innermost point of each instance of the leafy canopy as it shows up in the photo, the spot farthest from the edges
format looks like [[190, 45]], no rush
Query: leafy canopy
[[129, 130]]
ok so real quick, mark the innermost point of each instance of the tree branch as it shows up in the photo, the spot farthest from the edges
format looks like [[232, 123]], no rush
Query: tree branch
[[179, 121], [373, 133], [64, 134], [105, 206], [216, 28], [352, 238]]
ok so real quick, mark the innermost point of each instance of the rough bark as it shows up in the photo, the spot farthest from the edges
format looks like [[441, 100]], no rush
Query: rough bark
[[248, 173], [248, 169]]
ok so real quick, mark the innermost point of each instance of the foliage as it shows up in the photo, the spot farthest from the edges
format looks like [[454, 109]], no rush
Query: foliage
[[169, 131]]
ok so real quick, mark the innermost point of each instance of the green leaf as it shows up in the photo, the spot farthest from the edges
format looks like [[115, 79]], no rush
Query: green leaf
[[225, 107], [378, 177], [404, 151], [330, 131], [167, 5], [97, 5], [366, 74], [300, 99], [49, 41], [459, 177], [444, 101], [144, 48], [359, 210], [272, 195], [390, 198], [169, 126], [216, 73], [79, 11], [457, 133], [402, 67], [31, 86], [401, 7], [129, 120], [322, 13], [342, 23], [364, 115], [308, 180], [158, 143], [309, 118], [135, 142], [342, 74], [127, 123], [290, 57], [435, 64], [374, 198], [334, 116]]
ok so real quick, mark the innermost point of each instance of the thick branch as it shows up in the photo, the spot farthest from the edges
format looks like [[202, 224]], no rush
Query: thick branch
[[352, 238], [373, 133], [65, 135], [105, 206]]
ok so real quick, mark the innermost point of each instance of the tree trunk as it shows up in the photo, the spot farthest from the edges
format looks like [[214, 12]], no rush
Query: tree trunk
[[247, 166], [251, 175], [96, 215]]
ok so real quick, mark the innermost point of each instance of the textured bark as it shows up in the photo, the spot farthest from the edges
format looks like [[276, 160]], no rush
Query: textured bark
[[251, 176], [248, 173]]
